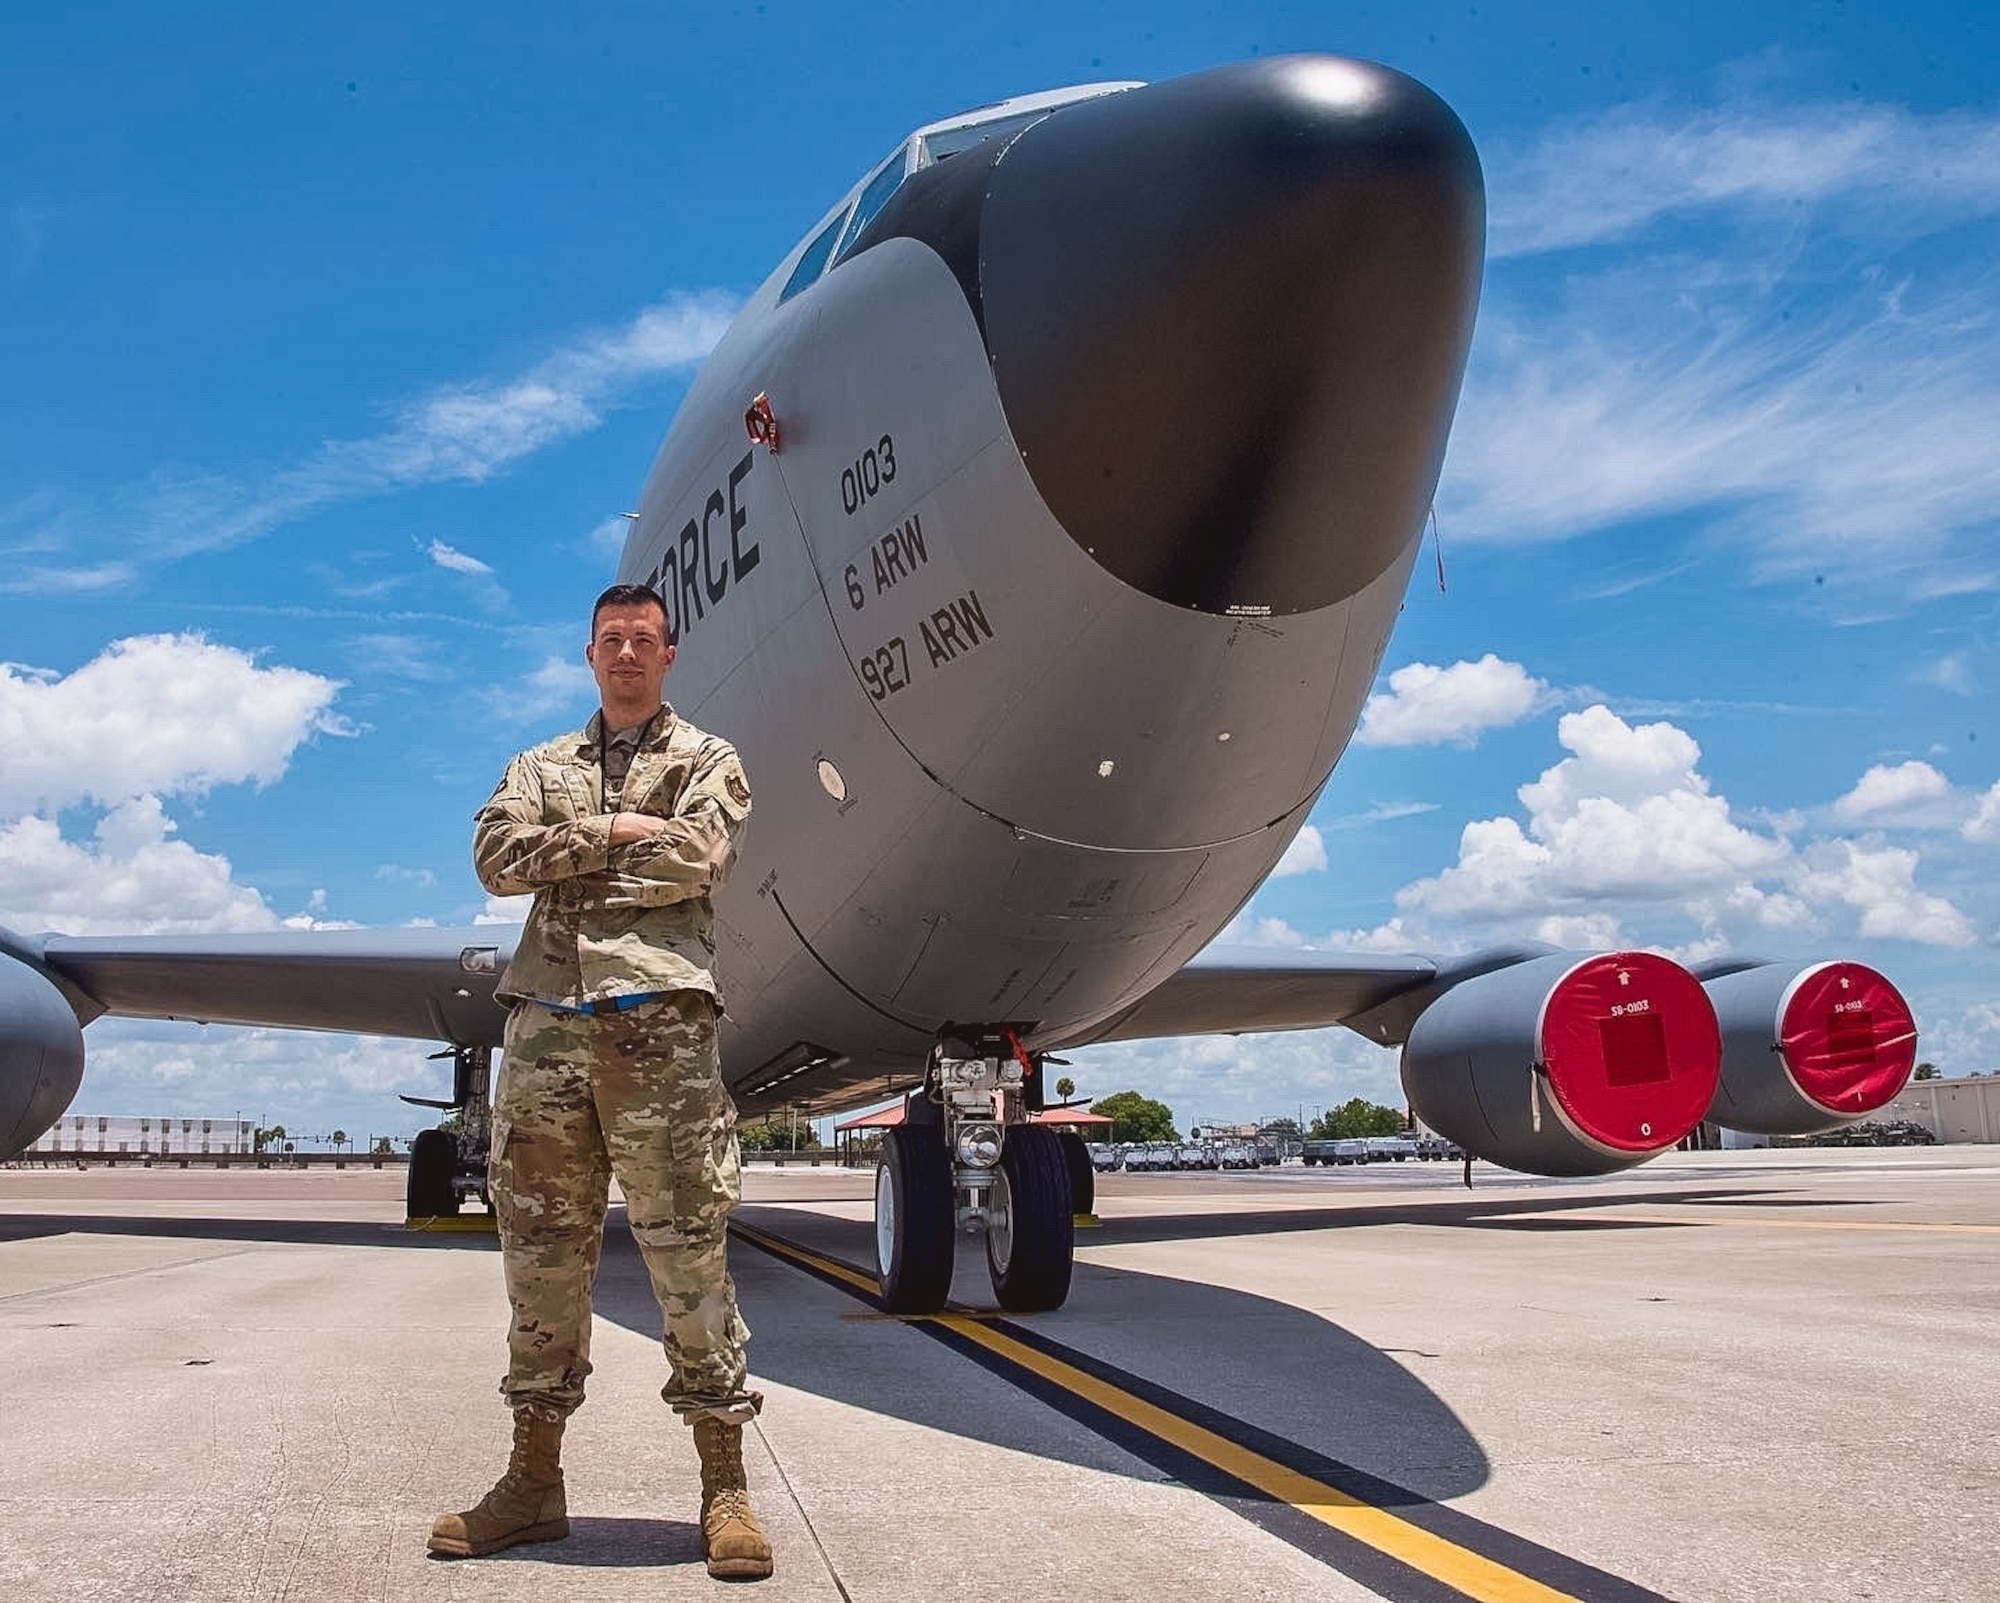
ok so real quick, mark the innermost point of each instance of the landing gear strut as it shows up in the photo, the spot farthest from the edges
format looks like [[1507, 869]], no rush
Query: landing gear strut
[[966, 1156], [448, 1168]]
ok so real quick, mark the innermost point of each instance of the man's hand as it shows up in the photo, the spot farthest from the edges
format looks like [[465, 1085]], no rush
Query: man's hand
[[628, 827]]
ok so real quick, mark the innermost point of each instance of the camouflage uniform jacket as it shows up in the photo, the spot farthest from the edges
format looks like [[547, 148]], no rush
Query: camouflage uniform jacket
[[607, 920]]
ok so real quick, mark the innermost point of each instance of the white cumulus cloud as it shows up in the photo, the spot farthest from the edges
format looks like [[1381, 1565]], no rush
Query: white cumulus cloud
[[1888, 790], [131, 878], [155, 714], [1983, 827], [1626, 834], [1626, 816], [1426, 705], [1879, 883], [1305, 855], [148, 718]]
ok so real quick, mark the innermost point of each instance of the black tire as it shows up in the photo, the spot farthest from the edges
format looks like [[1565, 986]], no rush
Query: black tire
[[1082, 1172], [1031, 1237], [914, 1238], [429, 1192]]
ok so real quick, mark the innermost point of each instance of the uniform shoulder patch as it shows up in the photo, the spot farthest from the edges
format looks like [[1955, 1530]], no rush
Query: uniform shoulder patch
[[738, 788]]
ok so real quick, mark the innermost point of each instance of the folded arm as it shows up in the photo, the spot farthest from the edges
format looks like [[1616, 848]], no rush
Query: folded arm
[[516, 851], [657, 860]]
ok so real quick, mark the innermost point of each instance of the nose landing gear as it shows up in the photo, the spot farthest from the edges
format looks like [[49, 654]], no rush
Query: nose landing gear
[[967, 1156]]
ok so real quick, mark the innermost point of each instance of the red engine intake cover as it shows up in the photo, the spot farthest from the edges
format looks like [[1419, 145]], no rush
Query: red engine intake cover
[[1847, 1037], [1632, 1050]]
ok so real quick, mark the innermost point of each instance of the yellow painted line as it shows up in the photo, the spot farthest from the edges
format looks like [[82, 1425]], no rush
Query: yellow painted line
[[464, 1223], [1761, 1221], [1471, 1573], [826, 1266]]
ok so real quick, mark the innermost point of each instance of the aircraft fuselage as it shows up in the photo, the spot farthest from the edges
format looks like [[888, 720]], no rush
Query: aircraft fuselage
[[1014, 763]]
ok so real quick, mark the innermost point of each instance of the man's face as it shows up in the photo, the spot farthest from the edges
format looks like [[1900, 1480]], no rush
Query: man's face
[[630, 656]]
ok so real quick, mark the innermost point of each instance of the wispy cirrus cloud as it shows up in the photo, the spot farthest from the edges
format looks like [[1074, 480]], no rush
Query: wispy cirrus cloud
[[454, 560], [463, 433], [1612, 176], [1779, 321]]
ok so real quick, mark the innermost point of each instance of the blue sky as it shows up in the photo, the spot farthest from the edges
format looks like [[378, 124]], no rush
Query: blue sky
[[331, 349]]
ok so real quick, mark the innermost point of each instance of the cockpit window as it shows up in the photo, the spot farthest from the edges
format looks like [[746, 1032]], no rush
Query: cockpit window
[[874, 198], [934, 148], [813, 263], [926, 148]]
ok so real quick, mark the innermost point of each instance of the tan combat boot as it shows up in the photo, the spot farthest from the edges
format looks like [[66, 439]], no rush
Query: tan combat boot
[[525, 1505], [731, 1539]]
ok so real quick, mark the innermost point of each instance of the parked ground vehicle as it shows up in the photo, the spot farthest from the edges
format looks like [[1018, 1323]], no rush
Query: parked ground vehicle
[[1871, 1133], [1354, 1150], [1390, 1148]]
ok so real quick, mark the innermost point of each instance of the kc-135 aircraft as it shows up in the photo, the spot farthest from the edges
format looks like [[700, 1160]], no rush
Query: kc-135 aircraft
[[1036, 532]]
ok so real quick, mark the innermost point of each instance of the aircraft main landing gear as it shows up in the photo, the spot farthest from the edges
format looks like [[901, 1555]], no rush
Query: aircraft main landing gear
[[448, 1168], [967, 1157]]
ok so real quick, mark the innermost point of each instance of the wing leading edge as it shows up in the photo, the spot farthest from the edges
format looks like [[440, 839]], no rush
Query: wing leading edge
[[1241, 990], [418, 984]]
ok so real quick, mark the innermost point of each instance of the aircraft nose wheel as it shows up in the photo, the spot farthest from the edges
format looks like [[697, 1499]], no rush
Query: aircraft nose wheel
[[1031, 1224], [913, 1221]]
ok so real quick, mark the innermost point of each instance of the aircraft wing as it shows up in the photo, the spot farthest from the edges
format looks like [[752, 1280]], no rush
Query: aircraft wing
[[420, 984], [1243, 990]]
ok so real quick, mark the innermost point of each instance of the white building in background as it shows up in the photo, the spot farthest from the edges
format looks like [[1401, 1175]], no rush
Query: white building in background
[[170, 1137], [1952, 1110]]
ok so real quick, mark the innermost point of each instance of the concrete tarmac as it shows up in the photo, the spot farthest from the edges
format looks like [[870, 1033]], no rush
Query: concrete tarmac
[[1758, 1376]]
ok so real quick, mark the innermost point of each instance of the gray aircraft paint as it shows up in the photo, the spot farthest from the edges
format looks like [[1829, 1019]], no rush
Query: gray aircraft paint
[[1069, 888]]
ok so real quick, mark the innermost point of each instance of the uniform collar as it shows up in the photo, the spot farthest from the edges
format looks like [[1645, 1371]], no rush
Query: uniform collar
[[662, 723]]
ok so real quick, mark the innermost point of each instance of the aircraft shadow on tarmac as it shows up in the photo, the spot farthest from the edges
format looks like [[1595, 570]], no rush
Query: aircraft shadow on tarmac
[[301, 1232], [1502, 1212], [1344, 1401], [1490, 1213]]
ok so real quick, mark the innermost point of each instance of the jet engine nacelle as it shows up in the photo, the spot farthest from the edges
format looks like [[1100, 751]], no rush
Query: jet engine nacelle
[[1566, 1065], [1808, 1048], [41, 1056]]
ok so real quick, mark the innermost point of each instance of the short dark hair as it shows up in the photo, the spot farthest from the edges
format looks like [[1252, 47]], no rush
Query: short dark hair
[[631, 595]]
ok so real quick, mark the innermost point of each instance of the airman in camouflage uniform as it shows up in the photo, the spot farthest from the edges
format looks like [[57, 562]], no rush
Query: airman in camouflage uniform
[[620, 831]]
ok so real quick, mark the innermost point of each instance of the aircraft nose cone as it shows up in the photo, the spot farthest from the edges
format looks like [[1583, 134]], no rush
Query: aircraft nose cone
[[1228, 316]]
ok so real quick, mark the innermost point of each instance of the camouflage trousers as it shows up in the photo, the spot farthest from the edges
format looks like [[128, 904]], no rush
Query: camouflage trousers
[[638, 1095]]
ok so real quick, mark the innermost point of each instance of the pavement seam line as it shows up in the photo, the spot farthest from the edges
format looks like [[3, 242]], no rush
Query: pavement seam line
[[805, 1519], [1757, 1221], [124, 1274]]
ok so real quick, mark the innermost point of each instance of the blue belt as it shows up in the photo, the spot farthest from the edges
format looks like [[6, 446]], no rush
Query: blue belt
[[607, 1004]]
